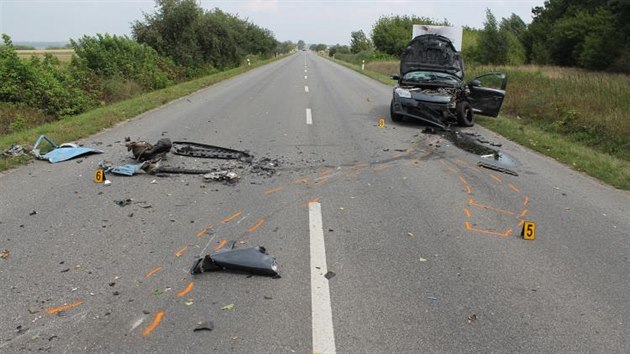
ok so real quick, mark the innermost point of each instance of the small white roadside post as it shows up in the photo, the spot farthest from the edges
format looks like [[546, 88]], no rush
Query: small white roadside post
[[362, 64]]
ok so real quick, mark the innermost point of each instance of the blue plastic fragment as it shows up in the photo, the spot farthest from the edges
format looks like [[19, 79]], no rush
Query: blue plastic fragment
[[61, 153], [67, 153], [126, 170]]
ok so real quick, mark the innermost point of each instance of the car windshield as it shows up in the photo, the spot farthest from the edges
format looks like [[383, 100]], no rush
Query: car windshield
[[429, 76]]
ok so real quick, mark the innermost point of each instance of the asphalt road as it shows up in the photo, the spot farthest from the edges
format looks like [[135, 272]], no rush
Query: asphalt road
[[424, 245]]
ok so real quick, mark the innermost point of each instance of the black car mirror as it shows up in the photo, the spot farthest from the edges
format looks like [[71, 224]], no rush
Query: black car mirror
[[395, 77], [475, 83]]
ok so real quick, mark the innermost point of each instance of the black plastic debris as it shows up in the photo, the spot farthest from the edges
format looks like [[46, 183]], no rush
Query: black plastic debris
[[186, 148], [496, 168], [123, 202], [143, 151], [204, 326], [155, 167], [329, 275], [253, 260]]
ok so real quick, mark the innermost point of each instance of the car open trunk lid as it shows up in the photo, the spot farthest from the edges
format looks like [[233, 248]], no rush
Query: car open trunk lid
[[431, 52]]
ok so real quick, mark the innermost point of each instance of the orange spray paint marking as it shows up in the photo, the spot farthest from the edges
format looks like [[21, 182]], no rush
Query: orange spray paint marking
[[451, 169], [273, 190], [156, 321], [320, 179], [220, 245], [503, 211], [301, 181], [153, 271], [443, 163], [514, 188], [54, 310], [382, 167], [487, 232], [187, 290], [526, 201], [359, 166], [414, 161], [468, 190], [181, 251], [203, 231], [523, 213], [495, 178], [225, 221], [314, 200], [326, 172], [461, 178], [256, 226], [467, 212], [520, 223]]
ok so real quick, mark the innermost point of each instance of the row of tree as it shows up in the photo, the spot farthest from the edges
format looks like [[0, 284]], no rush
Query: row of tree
[[593, 34], [177, 42]]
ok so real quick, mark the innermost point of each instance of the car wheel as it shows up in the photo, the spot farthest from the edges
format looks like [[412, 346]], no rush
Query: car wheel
[[465, 114], [395, 117]]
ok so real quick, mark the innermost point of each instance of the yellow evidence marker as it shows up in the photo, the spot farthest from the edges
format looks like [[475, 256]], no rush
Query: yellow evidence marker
[[99, 175], [381, 123], [529, 230]]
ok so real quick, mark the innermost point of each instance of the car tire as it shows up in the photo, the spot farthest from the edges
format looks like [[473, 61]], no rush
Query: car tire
[[395, 117], [465, 114]]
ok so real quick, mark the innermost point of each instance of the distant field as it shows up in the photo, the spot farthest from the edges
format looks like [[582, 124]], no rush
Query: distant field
[[63, 55]]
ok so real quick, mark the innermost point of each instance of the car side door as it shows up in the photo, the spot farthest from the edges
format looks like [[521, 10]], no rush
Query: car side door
[[487, 93]]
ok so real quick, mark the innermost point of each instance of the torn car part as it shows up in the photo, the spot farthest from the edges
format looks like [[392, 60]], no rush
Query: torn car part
[[124, 170], [254, 260], [209, 151], [496, 168], [61, 152], [143, 151], [12, 151], [222, 176], [155, 167]]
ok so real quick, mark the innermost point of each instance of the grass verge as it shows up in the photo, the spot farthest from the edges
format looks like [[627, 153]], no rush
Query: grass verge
[[89, 123], [541, 136]]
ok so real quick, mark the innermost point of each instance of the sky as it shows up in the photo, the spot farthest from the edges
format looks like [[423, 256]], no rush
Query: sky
[[323, 21]]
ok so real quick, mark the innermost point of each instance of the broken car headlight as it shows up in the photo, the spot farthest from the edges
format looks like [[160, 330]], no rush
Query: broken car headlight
[[402, 93]]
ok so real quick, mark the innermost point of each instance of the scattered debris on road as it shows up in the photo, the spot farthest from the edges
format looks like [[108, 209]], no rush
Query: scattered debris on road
[[472, 318], [61, 152], [253, 260], [329, 275], [222, 176], [4, 254], [12, 151], [204, 326], [123, 202], [143, 151], [209, 151], [496, 168], [229, 307]]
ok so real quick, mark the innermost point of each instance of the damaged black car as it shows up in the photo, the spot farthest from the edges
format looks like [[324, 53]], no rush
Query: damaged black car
[[431, 86]]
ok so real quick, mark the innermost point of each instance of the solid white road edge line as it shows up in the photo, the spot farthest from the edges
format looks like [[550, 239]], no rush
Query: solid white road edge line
[[309, 117], [323, 330], [305, 77]]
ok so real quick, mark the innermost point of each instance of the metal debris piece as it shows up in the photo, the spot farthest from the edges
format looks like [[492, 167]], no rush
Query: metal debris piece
[[496, 168], [155, 167], [204, 326], [191, 149], [222, 176], [61, 152], [123, 202], [13, 150], [472, 318], [228, 307], [253, 260], [143, 151], [4, 254]]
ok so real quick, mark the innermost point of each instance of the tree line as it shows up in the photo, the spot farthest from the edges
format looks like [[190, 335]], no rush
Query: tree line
[[178, 42], [591, 34]]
